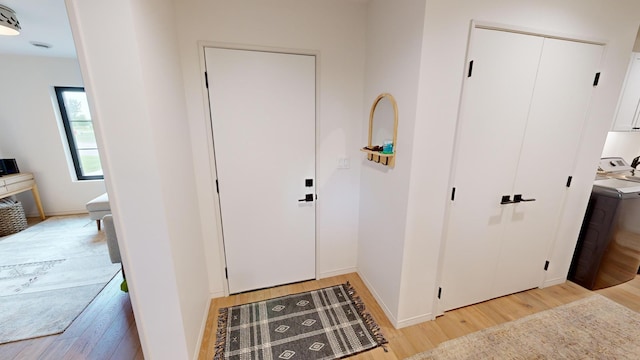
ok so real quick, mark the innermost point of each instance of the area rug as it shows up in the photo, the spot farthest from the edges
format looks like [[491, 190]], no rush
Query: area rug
[[329, 323], [591, 328], [48, 274]]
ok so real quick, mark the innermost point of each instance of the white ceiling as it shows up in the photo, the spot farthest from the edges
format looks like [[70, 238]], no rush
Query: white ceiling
[[43, 21]]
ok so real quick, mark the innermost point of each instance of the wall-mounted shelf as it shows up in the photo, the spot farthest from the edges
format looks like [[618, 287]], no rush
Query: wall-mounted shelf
[[378, 156]]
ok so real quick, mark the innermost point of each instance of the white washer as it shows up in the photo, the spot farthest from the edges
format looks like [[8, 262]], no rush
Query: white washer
[[616, 167]]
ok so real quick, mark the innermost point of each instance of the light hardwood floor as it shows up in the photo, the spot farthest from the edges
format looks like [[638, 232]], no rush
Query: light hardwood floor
[[414, 339], [106, 329]]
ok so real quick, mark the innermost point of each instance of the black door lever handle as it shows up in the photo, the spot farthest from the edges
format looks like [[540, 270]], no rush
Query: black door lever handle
[[518, 198], [506, 199], [307, 198]]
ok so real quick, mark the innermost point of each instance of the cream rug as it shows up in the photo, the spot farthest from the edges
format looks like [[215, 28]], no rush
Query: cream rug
[[48, 274], [591, 328]]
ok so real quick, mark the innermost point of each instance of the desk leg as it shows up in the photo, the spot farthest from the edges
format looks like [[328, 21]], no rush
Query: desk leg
[[36, 197]]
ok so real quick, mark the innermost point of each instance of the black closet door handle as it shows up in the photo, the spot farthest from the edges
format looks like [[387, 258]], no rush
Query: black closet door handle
[[518, 198], [506, 199], [307, 198]]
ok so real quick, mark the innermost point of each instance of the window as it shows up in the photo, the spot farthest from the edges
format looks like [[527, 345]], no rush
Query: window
[[78, 127]]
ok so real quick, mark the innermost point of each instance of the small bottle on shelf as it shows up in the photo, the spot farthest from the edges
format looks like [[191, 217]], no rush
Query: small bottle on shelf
[[387, 147]]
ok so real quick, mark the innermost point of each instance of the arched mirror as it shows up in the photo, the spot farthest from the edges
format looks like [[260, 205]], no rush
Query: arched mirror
[[383, 130]]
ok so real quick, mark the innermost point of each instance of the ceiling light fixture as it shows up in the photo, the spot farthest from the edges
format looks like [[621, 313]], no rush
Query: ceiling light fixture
[[9, 24]]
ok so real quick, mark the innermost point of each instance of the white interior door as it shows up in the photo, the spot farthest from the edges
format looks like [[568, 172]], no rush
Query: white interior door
[[559, 108], [522, 115], [493, 123], [263, 118]]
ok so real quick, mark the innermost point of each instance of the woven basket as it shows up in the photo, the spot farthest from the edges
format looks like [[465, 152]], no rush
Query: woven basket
[[12, 218]]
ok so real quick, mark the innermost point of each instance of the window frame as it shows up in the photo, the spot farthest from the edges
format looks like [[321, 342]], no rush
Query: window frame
[[73, 148]]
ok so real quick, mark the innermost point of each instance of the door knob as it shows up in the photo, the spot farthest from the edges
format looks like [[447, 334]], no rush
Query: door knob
[[307, 198]]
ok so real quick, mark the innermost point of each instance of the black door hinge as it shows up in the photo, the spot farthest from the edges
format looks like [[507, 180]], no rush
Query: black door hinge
[[569, 181], [453, 194], [206, 79], [470, 68], [439, 292], [217, 187], [596, 80], [546, 265], [226, 274]]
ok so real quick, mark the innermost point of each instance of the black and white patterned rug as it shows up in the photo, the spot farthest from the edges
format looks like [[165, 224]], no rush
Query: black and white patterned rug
[[329, 323]]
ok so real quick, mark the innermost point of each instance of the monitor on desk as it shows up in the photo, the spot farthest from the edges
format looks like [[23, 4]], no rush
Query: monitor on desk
[[8, 167]]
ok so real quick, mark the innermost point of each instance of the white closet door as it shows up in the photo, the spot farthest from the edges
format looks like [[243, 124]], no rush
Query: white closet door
[[492, 126], [263, 118], [559, 107]]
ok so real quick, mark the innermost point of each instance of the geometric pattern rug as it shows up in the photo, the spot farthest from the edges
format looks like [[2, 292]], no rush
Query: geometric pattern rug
[[49, 273], [590, 328], [329, 323]]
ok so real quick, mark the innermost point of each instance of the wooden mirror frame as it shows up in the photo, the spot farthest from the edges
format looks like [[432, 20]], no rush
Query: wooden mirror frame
[[384, 159]]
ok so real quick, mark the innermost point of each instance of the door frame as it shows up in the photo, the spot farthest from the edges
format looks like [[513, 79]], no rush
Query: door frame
[[438, 308], [213, 172]]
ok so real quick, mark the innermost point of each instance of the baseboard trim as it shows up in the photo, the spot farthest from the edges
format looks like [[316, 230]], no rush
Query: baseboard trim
[[58, 213], [414, 320], [338, 272], [203, 327], [552, 282], [217, 294], [383, 306]]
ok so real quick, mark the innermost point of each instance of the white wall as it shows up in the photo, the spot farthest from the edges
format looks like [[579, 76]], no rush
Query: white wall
[[32, 132], [401, 210], [636, 45], [132, 73], [444, 47], [394, 41], [625, 144], [336, 29]]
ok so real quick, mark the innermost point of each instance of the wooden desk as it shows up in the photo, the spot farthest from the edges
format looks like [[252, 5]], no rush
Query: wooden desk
[[17, 183]]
